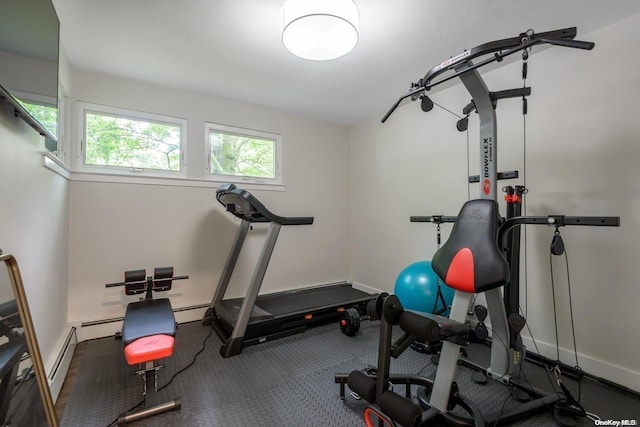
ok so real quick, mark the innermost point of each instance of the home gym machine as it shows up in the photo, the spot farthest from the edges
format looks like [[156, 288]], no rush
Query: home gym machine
[[254, 319], [472, 261], [148, 334]]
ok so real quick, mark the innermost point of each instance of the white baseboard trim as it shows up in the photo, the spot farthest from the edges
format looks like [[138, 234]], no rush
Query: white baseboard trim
[[57, 371], [598, 368]]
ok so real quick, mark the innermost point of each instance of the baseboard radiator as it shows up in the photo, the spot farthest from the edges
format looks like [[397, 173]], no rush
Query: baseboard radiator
[[60, 367]]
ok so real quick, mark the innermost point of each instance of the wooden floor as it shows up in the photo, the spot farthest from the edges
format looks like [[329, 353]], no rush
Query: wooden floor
[[70, 378]]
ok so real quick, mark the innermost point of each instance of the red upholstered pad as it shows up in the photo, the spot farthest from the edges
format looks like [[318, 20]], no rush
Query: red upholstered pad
[[461, 274], [148, 349]]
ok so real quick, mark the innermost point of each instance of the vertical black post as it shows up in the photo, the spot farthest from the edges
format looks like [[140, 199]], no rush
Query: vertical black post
[[512, 249], [384, 355], [149, 288]]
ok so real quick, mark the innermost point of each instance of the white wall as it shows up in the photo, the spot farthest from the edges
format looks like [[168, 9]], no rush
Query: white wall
[[115, 227], [581, 159], [34, 228]]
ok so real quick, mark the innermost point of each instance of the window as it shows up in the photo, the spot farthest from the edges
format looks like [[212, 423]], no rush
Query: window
[[129, 141], [243, 155], [46, 115], [43, 109]]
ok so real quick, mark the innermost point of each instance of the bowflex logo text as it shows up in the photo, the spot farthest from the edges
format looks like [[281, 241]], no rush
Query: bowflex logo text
[[487, 156]]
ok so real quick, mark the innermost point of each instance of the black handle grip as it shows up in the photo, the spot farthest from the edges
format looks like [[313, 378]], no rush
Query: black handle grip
[[577, 44], [111, 285]]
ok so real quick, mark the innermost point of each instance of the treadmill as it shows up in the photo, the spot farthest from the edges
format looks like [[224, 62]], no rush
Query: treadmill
[[254, 319]]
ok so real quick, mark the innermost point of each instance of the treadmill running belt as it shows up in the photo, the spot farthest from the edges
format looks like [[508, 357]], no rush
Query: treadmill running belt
[[308, 299]]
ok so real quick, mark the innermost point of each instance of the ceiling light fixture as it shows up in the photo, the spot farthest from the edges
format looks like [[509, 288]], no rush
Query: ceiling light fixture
[[320, 30]]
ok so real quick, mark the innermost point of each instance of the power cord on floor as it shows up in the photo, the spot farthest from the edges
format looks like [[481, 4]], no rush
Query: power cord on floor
[[193, 360]]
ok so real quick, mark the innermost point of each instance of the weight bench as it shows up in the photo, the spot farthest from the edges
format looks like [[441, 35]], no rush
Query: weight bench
[[148, 335]]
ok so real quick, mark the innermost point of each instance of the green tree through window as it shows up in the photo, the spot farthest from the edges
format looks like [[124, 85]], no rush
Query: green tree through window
[[127, 142], [241, 155], [47, 116]]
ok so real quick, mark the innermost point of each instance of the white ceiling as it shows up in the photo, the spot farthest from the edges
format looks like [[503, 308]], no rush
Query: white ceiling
[[233, 48]]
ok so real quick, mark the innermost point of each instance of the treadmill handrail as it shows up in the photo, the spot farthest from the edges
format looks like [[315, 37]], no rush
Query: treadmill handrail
[[247, 207], [499, 48]]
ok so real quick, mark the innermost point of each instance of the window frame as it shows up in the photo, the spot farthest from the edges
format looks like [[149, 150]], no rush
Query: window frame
[[80, 158], [252, 133]]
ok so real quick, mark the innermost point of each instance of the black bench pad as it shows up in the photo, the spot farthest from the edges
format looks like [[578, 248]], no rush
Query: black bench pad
[[148, 317]]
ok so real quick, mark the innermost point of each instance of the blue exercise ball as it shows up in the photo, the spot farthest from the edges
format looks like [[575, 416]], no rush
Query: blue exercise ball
[[417, 289]]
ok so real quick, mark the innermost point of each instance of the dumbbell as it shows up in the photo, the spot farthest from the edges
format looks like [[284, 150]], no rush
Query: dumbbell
[[350, 318]]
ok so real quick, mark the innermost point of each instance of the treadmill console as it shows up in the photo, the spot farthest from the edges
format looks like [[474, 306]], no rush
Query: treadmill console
[[247, 207]]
